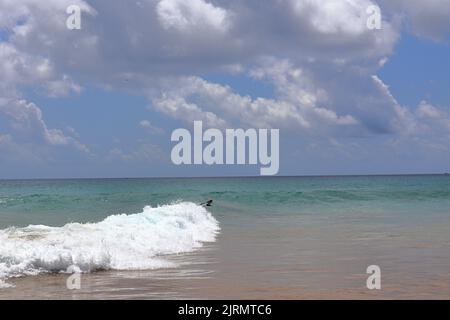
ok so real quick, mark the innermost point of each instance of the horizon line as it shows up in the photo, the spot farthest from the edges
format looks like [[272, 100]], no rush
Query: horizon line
[[234, 176]]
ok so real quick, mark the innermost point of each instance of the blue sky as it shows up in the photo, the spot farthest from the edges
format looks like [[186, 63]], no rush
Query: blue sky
[[419, 70], [103, 101]]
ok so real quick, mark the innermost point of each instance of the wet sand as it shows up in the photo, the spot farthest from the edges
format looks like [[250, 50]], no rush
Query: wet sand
[[275, 260]]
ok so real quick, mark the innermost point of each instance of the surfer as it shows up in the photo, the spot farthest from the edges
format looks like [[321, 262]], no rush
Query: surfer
[[207, 203]]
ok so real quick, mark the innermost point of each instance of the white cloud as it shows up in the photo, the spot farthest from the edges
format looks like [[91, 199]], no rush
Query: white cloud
[[190, 16], [319, 58], [28, 126], [297, 107], [334, 17], [428, 19], [21, 69], [63, 87], [178, 108], [140, 39]]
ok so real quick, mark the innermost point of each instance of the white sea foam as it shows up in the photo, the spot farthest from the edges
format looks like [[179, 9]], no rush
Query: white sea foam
[[120, 242]]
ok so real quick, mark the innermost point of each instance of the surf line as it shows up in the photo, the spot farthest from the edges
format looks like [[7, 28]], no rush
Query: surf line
[[237, 143]]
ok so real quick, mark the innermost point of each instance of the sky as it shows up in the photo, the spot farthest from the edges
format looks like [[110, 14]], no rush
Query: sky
[[102, 101]]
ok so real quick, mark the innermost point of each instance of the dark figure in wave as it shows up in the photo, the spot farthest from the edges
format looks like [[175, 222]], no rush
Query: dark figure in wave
[[207, 203]]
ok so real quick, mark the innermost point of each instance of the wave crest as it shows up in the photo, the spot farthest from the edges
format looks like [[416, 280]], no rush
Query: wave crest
[[120, 242]]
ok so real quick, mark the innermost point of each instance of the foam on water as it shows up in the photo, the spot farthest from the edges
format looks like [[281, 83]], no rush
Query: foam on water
[[120, 242]]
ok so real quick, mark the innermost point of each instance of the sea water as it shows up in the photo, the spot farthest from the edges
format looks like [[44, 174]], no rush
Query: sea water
[[299, 236]]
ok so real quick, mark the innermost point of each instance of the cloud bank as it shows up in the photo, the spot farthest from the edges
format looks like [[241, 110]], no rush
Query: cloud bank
[[320, 59]]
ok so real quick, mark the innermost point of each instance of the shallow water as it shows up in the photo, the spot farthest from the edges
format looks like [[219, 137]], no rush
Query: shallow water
[[280, 237]]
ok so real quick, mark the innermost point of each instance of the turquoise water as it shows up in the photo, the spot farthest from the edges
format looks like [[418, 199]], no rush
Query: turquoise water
[[277, 237], [57, 202]]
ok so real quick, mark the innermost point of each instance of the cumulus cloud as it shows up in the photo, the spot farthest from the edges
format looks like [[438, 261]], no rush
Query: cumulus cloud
[[300, 104], [319, 58], [178, 37], [26, 120], [429, 19], [19, 69], [191, 16]]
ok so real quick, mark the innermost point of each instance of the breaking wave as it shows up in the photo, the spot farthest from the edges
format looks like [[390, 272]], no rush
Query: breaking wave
[[120, 242]]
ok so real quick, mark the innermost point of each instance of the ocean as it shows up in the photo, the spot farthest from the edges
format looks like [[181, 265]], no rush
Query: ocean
[[263, 237]]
